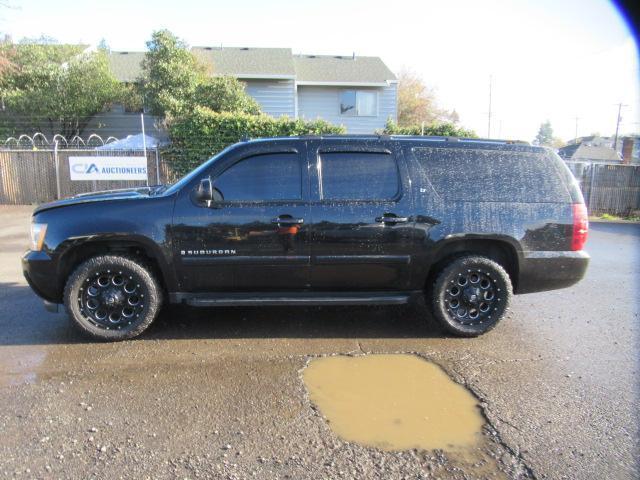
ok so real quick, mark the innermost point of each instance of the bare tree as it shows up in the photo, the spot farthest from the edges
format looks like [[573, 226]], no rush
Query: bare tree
[[417, 103]]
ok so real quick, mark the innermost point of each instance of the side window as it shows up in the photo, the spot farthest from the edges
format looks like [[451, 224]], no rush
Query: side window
[[471, 175], [358, 176], [268, 177]]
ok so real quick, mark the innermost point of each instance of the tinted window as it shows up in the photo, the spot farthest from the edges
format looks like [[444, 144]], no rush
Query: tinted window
[[358, 176], [492, 175], [262, 178]]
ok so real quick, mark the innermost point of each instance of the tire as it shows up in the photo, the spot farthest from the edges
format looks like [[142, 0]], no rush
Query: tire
[[470, 295], [112, 297]]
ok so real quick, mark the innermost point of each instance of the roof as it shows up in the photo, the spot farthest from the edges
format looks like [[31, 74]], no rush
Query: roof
[[126, 66], [327, 69], [243, 62], [588, 153], [436, 141]]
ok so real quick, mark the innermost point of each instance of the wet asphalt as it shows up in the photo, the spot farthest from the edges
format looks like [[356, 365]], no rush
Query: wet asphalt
[[217, 393]]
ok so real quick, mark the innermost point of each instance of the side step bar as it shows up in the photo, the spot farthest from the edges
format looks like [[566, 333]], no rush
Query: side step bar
[[291, 298]]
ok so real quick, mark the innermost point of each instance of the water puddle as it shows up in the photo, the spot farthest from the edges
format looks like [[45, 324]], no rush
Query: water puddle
[[394, 402], [19, 364]]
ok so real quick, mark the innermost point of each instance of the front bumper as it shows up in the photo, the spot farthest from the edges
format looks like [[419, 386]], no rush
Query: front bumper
[[550, 270], [39, 270]]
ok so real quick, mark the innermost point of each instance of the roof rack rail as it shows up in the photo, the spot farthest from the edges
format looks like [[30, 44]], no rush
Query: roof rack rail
[[463, 139]]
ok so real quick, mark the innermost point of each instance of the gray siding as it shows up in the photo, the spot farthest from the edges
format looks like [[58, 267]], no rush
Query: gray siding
[[324, 102], [118, 123], [276, 97]]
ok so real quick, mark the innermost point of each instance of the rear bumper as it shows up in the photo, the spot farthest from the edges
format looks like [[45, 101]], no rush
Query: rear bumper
[[40, 272], [549, 270]]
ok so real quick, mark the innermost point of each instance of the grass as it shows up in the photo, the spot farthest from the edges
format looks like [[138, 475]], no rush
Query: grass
[[613, 218]]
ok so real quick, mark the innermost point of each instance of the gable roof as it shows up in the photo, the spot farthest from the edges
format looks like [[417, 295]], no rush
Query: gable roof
[[588, 153], [344, 70], [243, 62], [126, 66]]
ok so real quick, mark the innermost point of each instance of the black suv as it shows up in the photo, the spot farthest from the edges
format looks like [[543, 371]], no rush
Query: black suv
[[319, 221]]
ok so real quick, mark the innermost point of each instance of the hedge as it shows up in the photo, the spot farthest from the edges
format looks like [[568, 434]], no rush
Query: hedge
[[200, 134], [442, 129]]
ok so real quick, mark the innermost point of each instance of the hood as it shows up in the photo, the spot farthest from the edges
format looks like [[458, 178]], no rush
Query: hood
[[106, 195]]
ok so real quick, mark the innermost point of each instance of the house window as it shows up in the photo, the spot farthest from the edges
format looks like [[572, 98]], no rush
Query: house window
[[358, 103]]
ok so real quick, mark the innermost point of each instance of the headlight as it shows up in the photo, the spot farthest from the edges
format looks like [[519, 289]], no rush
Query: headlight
[[38, 231]]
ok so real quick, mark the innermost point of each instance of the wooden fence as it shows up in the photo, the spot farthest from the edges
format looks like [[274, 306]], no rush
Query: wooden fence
[[608, 188], [37, 176]]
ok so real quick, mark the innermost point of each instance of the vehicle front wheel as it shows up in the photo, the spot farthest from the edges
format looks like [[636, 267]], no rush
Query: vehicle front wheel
[[471, 295], [112, 297]]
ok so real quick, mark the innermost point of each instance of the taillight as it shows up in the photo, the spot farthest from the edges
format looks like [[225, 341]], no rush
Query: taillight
[[580, 226]]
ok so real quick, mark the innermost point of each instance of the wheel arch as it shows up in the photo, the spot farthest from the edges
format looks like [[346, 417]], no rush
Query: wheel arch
[[503, 250], [80, 249]]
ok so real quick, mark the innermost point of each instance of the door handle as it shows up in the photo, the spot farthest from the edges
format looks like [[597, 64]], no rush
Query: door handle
[[389, 218], [288, 221]]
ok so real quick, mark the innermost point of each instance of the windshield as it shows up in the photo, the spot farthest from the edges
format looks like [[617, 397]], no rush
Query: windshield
[[196, 171]]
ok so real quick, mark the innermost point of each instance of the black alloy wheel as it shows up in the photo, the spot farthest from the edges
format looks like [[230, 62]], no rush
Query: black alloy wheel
[[112, 297], [471, 295]]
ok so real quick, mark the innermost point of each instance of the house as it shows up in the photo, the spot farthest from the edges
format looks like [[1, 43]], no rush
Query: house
[[584, 152], [592, 141], [357, 92]]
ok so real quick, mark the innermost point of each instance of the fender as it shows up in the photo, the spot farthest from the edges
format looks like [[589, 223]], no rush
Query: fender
[[160, 252]]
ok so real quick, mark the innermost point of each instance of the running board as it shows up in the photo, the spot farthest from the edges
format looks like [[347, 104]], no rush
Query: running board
[[290, 298]]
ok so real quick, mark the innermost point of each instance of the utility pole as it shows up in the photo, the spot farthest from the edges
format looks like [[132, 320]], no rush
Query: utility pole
[[576, 137], [489, 126], [615, 140]]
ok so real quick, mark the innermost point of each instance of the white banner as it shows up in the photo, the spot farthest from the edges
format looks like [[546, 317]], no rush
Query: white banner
[[108, 168]]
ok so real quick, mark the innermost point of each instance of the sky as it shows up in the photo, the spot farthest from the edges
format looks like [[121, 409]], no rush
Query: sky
[[547, 59]]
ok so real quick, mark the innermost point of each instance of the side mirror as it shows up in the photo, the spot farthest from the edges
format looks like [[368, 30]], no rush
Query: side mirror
[[207, 194], [204, 192]]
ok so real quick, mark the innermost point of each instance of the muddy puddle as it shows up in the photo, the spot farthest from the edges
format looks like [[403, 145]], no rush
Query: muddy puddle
[[394, 402], [19, 364]]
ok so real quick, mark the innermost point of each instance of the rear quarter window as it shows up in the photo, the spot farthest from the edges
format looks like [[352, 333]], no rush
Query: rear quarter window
[[474, 175]]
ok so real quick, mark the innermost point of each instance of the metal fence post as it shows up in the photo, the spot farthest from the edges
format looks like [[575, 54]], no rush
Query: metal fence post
[[55, 159], [157, 167]]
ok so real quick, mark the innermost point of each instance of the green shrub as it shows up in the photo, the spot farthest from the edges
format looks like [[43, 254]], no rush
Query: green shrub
[[439, 129], [201, 133], [224, 94]]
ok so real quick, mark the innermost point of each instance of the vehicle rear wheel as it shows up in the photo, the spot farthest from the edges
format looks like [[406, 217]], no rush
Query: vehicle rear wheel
[[471, 295], [111, 297]]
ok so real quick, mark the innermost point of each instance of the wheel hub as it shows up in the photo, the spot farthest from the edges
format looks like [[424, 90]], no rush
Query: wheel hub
[[112, 299], [471, 297]]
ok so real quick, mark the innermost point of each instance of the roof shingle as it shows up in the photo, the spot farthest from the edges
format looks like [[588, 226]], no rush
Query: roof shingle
[[270, 63], [246, 62], [126, 66], [338, 69]]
